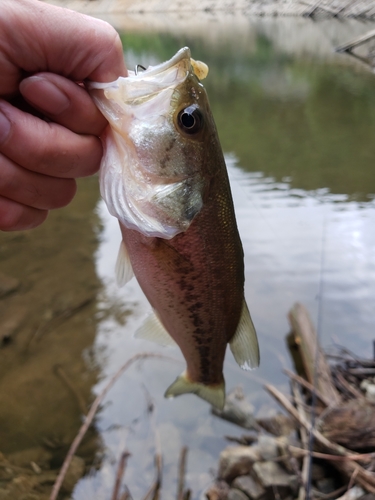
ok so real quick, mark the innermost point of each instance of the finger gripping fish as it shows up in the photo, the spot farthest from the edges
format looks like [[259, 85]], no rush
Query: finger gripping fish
[[164, 177]]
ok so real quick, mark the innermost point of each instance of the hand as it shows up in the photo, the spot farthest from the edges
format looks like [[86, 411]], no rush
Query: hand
[[45, 54]]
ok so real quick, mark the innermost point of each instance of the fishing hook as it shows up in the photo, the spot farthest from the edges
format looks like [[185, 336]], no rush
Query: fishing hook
[[137, 67]]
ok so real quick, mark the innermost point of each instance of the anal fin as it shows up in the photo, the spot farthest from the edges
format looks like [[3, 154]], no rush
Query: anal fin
[[244, 344], [152, 329]]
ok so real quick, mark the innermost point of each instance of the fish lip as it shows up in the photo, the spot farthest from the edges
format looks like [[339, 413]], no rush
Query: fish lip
[[151, 71], [183, 53]]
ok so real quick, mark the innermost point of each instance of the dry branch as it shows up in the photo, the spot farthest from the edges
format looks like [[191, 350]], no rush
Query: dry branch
[[120, 473], [181, 474], [312, 354], [90, 416], [365, 478]]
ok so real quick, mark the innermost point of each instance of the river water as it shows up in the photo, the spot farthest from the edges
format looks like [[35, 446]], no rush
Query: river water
[[297, 125]]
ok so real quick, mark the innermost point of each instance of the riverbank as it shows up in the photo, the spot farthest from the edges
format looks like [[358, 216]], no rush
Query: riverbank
[[363, 9]]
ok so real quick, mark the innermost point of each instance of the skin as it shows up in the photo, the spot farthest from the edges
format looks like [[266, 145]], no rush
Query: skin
[[49, 125]]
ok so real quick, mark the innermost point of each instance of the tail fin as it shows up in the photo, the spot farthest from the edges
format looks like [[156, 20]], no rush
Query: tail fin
[[213, 394]]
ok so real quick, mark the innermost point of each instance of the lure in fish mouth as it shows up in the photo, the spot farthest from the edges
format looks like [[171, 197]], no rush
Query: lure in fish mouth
[[164, 177]]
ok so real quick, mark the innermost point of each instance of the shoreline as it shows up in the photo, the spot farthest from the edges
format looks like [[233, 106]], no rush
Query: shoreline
[[360, 9]]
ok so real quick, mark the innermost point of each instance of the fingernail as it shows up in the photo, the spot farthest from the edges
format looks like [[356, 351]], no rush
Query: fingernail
[[45, 95], [4, 127]]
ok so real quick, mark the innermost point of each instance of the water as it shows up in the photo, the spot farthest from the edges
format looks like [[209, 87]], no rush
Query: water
[[297, 124]]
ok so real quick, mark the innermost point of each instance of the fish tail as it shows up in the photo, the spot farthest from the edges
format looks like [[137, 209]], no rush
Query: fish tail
[[213, 394]]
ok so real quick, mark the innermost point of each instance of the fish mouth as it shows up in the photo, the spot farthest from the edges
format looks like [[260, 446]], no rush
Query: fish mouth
[[182, 54]]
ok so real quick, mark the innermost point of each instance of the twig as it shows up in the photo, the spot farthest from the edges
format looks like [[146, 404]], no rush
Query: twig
[[126, 495], [364, 477], [307, 386], [327, 496], [153, 491], [352, 479], [304, 438], [364, 457], [353, 392], [94, 408], [349, 46], [181, 474], [120, 472]]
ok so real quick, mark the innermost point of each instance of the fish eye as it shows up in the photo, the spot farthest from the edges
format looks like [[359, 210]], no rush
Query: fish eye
[[190, 120]]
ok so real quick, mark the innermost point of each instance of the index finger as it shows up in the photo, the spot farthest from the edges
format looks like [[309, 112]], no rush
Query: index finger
[[40, 37]]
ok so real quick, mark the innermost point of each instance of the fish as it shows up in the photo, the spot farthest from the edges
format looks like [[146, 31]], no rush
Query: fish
[[163, 176]]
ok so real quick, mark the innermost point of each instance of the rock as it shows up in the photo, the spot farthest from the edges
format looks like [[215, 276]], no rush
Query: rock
[[249, 486], [268, 447], [238, 410], [75, 472], [356, 492], [235, 494], [278, 425], [218, 491], [370, 393], [271, 474], [326, 485], [8, 284], [237, 461]]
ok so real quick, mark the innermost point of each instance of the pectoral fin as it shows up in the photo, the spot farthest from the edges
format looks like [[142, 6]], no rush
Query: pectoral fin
[[213, 394], [152, 329], [244, 344], [123, 269]]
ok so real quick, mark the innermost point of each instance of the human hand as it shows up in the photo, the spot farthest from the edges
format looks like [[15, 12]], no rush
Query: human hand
[[44, 52]]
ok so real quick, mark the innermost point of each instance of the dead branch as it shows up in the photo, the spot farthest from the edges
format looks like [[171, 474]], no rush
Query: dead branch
[[364, 478], [153, 492], [304, 438], [312, 355], [349, 46], [90, 416], [120, 473], [308, 386], [181, 474]]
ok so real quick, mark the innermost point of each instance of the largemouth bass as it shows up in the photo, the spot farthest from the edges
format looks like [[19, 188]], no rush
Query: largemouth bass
[[163, 175]]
